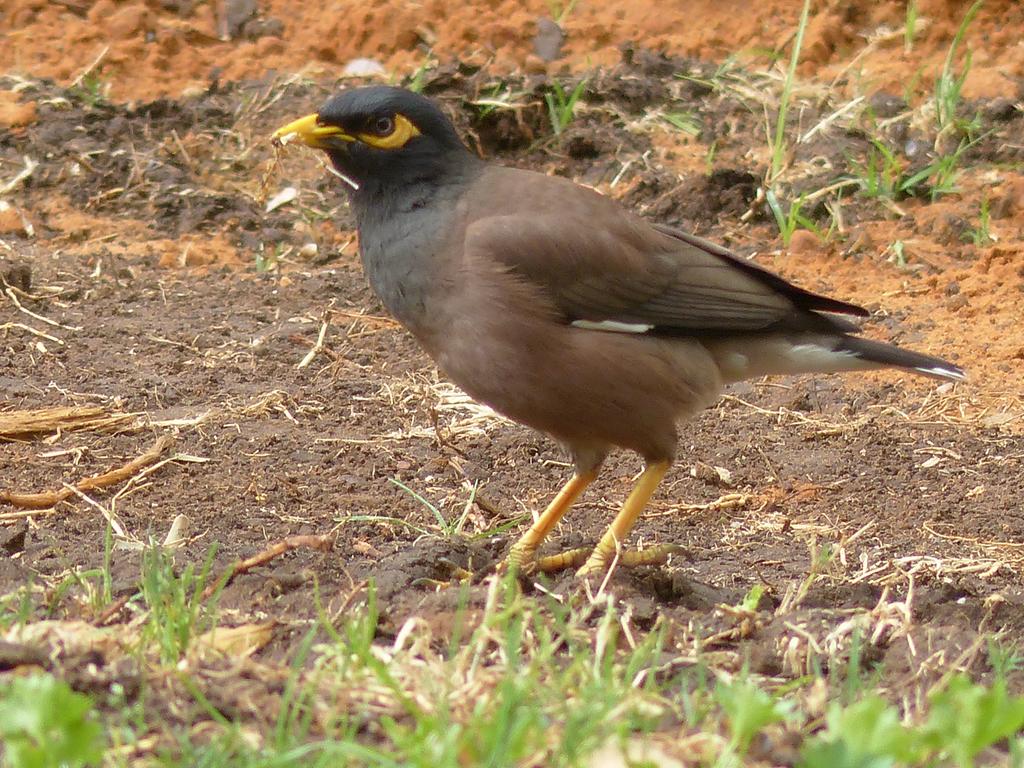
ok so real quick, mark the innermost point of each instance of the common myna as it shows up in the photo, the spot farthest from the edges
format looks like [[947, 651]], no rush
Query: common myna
[[559, 308]]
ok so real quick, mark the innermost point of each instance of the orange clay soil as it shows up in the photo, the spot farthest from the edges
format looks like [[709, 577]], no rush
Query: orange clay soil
[[144, 50]]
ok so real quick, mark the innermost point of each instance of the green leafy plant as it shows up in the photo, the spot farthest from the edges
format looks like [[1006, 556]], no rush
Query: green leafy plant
[[941, 174], [883, 175], [866, 734], [1004, 659], [17, 607], [897, 251], [709, 159], [749, 710], [265, 262], [95, 584], [753, 598], [967, 718], [562, 105], [45, 724], [92, 89]]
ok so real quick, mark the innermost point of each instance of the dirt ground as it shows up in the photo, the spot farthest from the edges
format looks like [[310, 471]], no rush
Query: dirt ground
[[145, 279]]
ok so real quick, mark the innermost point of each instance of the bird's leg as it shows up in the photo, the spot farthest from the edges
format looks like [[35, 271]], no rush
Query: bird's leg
[[523, 553], [606, 549]]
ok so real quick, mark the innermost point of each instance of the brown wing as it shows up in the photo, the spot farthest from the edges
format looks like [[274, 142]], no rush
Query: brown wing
[[599, 263]]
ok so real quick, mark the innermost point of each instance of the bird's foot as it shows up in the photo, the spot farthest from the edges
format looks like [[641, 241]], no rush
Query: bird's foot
[[521, 560], [457, 574], [601, 560], [589, 561]]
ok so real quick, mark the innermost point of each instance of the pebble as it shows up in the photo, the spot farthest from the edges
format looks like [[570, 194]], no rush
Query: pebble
[[363, 68], [547, 43]]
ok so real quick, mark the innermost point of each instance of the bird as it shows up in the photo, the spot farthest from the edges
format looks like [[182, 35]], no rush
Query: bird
[[563, 310]]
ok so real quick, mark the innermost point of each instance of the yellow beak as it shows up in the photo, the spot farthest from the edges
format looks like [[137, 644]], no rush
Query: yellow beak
[[306, 130]]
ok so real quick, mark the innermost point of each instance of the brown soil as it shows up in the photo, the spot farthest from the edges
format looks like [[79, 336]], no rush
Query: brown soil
[[130, 247]]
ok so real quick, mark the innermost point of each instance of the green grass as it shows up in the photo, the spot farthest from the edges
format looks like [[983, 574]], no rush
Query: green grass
[[418, 79], [447, 527], [949, 85], [881, 174], [885, 175], [981, 234], [18, 607], [562, 104], [443, 527], [176, 611], [683, 121], [560, 10], [495, 97], [790, 220], [778, 138], [516, 680], [92, 90], [910, 26]]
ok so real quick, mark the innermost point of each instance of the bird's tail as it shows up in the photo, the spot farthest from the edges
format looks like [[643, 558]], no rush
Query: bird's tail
[[749, 357], [889, 356]]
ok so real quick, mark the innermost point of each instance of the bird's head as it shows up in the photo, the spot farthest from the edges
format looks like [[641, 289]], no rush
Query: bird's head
[[379, 135]]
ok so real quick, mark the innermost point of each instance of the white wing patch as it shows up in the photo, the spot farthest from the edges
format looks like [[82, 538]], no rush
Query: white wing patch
[[612, 325]]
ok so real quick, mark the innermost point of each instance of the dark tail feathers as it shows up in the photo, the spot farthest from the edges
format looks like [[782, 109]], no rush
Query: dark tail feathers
[[887, 354]]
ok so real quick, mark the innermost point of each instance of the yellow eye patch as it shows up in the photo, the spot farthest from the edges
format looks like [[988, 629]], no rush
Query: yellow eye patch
[[401, 132]]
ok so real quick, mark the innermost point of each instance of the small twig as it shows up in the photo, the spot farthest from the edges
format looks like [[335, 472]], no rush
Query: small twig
[[33, 331], [23, 513], [95, 63], [113, 609], [108, 515], [828, 121], [323, 543], [184, 152], [13, 297], [52, 498], [377, 321], [24, 173], [319, 345]]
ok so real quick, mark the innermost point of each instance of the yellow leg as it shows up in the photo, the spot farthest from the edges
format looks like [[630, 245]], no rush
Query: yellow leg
[[522, 554], [624, 521]]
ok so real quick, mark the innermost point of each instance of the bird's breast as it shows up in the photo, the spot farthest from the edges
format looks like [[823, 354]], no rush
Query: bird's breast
[[406, 264]]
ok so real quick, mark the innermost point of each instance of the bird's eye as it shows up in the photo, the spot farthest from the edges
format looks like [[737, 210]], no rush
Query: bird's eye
[[383, 126]]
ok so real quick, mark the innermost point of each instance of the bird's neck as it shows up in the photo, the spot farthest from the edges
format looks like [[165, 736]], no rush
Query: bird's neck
[[403, 230], [386, 195]]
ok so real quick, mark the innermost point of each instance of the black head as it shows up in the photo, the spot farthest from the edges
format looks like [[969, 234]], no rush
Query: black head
[[381, 135]]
